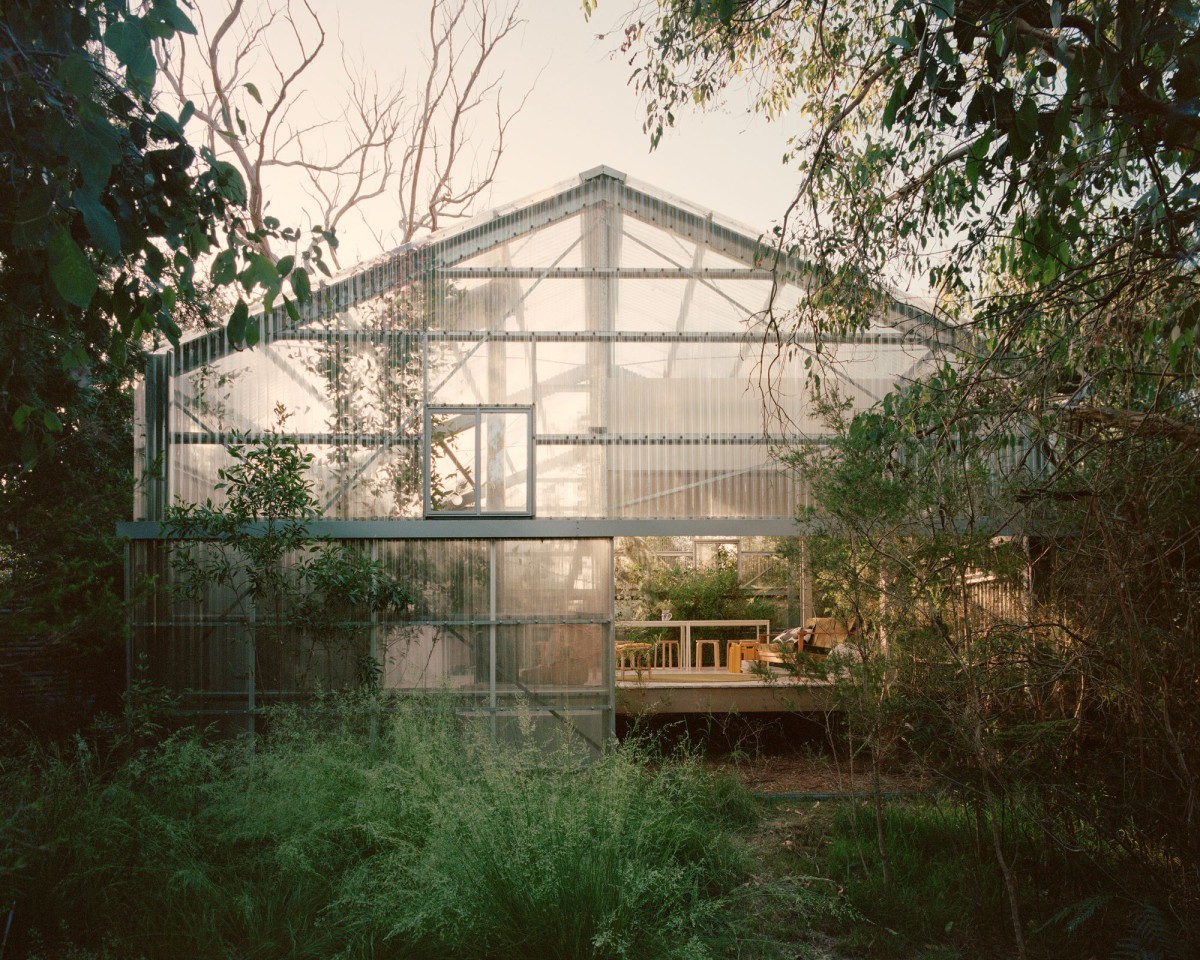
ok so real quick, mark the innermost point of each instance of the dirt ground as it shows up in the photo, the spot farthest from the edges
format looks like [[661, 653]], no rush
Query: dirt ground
[[793, 773], [773, 753]]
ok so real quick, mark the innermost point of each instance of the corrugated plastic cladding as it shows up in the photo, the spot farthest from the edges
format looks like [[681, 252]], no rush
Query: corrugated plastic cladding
[[630, 323]]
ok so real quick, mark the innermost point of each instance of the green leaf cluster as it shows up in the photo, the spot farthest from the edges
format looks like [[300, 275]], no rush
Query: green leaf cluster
[[702, 593], [1036, 167], [254, 544], [430, 839], [106, 209]]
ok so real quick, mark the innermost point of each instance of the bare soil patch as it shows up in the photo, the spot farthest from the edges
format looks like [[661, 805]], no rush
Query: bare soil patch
[[796, 773]]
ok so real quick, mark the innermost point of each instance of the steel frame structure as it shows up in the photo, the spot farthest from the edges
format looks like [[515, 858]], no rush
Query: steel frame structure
[[628, 322]]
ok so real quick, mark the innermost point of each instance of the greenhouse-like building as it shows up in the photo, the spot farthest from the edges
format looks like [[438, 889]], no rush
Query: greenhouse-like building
[[488, 411]]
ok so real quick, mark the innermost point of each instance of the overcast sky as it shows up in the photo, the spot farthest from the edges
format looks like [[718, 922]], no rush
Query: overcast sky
[[580, 113]]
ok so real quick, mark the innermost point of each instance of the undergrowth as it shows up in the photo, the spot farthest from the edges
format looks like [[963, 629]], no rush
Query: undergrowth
[[426, 840], [944, 897]]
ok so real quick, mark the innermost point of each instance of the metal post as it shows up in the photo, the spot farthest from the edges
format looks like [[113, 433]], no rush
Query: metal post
[[129, 616], [251, 678], [492, 607], [609, 668], [157, 396], [377, 664]]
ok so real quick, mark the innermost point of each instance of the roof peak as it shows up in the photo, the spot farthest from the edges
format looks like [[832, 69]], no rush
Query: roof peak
[[602, 171]]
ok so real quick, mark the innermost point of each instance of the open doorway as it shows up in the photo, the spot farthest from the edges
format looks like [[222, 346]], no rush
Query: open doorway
[[707, 577]]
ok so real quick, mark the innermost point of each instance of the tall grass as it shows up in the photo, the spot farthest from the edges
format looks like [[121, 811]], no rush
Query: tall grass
[[427, 840], [945, 897], [942, 890]]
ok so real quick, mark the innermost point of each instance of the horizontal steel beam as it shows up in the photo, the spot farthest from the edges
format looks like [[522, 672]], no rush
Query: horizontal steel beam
[[538, 528], [382, 620], [754, 337], [614, 273], [515, 528], [200, 437]]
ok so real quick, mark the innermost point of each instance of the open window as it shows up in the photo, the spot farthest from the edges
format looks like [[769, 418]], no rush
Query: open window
[[478, 461]]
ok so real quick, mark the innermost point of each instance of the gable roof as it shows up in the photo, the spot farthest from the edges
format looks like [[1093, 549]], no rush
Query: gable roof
[[441, 252]]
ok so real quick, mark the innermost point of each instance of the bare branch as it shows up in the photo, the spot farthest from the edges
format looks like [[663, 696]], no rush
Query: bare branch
[[246, 80], [438, 179]]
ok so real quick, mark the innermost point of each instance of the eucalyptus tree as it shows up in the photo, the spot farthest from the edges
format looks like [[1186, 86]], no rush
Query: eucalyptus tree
[[105, 214], [1035, 167], [107, 208], [1034, 163], [428, 142]]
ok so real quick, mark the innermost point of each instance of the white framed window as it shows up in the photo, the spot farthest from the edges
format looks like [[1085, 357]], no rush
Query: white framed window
[[478, 461]]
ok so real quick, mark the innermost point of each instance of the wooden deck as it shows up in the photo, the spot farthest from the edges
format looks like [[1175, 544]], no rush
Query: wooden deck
[[718, 691]]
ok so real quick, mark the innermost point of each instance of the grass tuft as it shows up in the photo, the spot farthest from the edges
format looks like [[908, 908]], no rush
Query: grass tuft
[[426, 839]]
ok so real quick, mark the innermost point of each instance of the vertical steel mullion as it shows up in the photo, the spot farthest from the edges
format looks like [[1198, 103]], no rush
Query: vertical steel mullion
[[158, 433], [492, 614], [609, 669], [373, 644], [130, 614], [373, 648], [533, 407], [251, 669], [426, 462], [427, 427], [529, 462], [478, 461]]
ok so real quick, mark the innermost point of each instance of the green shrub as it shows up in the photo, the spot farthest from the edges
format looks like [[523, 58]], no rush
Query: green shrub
[[943, 889], [426, 840], [945, 896]]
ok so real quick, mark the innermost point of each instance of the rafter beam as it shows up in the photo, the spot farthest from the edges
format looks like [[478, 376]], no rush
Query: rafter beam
[[605, 273]]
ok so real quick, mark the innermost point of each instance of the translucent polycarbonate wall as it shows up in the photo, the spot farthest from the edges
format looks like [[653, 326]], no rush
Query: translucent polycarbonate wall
[[504, 629], [597, 353], [623, 326]]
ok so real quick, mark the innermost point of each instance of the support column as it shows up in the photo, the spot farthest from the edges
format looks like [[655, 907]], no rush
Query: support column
[[251, 670], [492, 614], [609, 668], [490, 486], [601, 222], [155, 491]]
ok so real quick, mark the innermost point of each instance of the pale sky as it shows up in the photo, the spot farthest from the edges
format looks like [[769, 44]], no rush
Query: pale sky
[[580, 114], [583, 113]]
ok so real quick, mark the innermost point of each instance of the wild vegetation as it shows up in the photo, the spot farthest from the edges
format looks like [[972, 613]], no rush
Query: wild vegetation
[[427, 839], [307, 602], [648, 585], [1034, 167], [946, 897], [128, 217], [109, 215]]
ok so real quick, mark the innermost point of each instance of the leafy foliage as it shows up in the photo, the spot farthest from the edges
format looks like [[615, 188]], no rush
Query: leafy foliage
[[61, 565], [105, 221], [1034, 166], [427, 840], [1034, 163], [256, 545], [947, 897], [1024, 672], [701, 593], [106, 209]]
